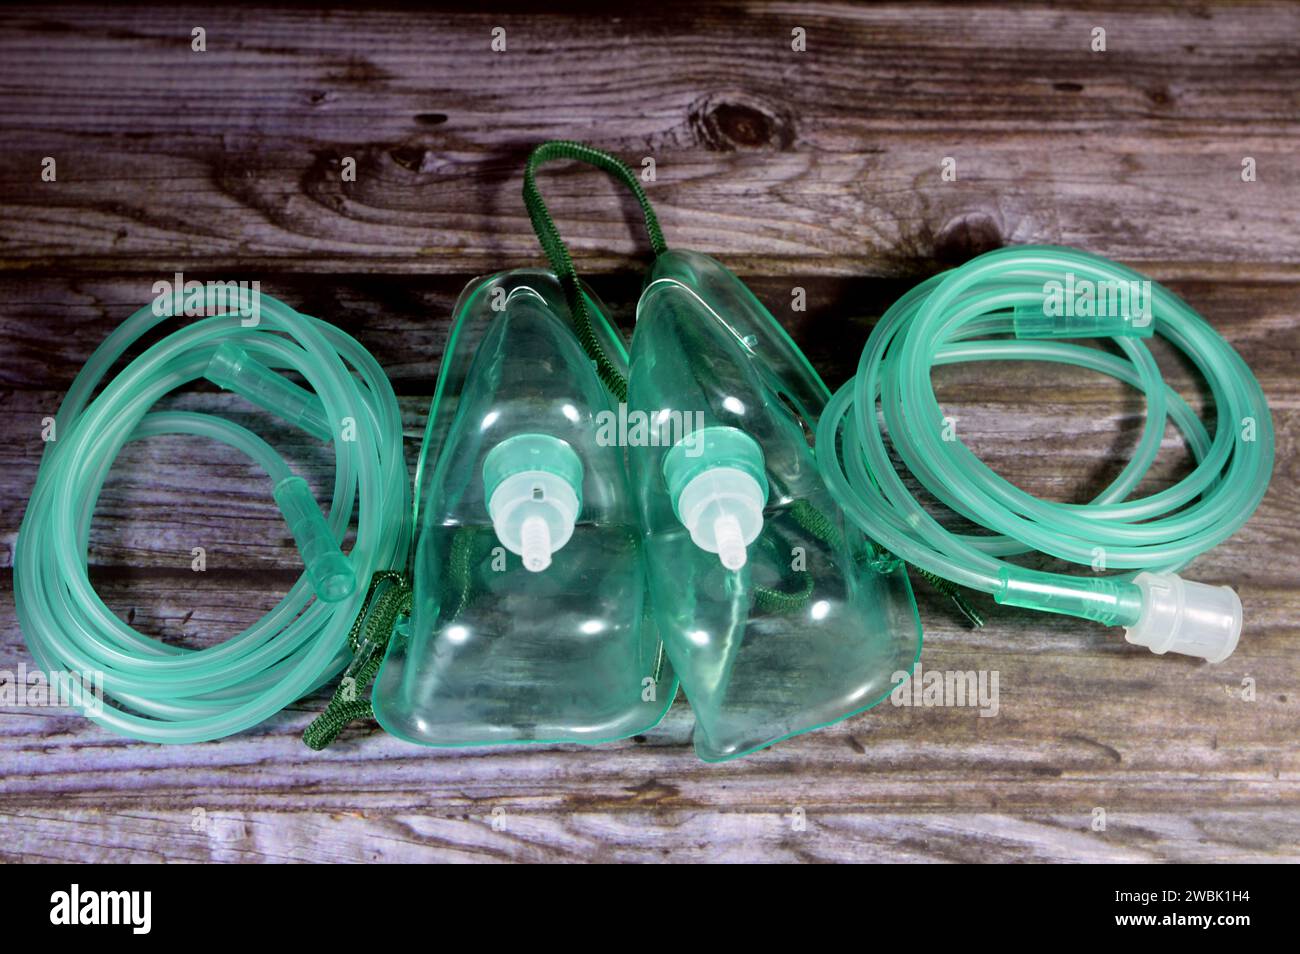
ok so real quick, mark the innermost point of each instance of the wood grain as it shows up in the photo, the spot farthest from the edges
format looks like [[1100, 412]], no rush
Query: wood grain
[[611, 837], [778, 160], [817, 170]]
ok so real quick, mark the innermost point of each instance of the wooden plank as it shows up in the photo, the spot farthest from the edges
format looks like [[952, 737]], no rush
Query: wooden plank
[[824, 161], [50, 323], [693, 835], [1083, 720]]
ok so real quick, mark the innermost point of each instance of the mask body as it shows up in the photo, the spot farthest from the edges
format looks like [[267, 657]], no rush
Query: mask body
[[778, 618], [529, 620]]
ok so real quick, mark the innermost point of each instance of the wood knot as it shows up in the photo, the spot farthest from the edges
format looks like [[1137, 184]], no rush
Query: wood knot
[[418, 157], [725, 122], [1160, 97], [409, 157], [965, 238]]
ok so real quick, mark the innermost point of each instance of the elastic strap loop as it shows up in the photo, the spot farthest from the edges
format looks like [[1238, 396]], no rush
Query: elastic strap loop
[[558, 253]]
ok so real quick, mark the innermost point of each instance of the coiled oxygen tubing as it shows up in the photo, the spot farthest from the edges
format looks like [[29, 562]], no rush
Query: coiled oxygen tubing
[[163, 693]]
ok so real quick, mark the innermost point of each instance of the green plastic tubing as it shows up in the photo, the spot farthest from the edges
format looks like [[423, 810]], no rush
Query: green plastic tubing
[[1044, 293], [161, 693]]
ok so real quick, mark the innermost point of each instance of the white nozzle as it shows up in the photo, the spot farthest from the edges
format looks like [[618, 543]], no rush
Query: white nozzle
[[731, 543], [1185, 617], [722, 508], [535, 541], [533, 513]]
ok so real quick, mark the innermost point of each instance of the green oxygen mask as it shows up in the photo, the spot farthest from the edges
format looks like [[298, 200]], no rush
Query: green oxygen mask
[[528, 620], [778, 616]]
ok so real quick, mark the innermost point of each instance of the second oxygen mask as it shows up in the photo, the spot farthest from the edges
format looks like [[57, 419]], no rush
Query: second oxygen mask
[[777, 615], [529, 620]]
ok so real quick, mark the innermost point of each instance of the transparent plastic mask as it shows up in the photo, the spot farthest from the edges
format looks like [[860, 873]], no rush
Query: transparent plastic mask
[[495, 650], [818, 623]]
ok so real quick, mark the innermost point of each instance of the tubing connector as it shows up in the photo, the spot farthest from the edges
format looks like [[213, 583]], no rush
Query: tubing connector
[[1032, 321], [232, 368], [328, 568], [1194, 619], [1161, 611], [717, 481], [533, 486], [1107, 600]]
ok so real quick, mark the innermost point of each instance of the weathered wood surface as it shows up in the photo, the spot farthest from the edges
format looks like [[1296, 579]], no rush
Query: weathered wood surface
[[819, 170], [231, 158]]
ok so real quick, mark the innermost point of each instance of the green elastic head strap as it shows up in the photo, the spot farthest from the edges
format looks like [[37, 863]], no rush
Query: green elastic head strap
[[388, 599], [769, 598], [558, 253]]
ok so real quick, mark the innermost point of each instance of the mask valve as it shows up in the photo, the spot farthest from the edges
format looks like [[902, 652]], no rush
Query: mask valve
[[717, 482], [533, 486]]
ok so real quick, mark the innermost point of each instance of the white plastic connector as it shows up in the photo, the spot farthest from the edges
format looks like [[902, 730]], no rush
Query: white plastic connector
[[535, 543], [1185, 617], [730, 540], [722, 508], [533, 513]]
